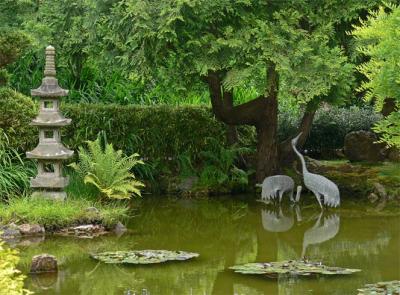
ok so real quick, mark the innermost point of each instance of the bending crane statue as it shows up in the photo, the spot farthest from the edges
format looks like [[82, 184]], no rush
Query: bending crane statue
[[326, 192], [278, 185]]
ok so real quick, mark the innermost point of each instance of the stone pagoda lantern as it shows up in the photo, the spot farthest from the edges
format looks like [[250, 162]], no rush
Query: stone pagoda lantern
[[50, 152]]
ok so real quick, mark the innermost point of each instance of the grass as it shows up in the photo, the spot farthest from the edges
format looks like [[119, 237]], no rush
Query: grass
[[54, 215]]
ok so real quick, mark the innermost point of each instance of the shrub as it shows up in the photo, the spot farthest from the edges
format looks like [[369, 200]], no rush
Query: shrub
[[11, 280], [17, 111], [219, 166], [330, 126], [162, 133], [108, 170]]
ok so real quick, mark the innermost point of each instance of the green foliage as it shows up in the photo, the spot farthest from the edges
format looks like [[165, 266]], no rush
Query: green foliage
[[14, 171], [108, 170], [12, 44], [54, 215], [189, 39], [219, 167], [156, 132], [330, 126], [379, 40], [11, 279], [17, 111]]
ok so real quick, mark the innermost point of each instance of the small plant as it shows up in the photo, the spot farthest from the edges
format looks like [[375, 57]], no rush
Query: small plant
[[220, 168], [108, 170], [11, 279]]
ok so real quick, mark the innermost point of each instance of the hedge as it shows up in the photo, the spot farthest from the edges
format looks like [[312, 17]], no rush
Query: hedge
[[161, 131]]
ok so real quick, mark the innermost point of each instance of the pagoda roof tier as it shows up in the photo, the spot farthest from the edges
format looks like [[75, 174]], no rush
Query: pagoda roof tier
[[50, 151], [43, 181], [49, 88], [50, 119]]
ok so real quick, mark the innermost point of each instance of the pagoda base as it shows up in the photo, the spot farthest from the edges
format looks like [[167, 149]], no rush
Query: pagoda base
[[50, 195]]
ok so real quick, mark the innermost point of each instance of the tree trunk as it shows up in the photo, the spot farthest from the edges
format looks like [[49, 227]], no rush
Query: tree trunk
[[262, 112], [267, 151], [287, 156]]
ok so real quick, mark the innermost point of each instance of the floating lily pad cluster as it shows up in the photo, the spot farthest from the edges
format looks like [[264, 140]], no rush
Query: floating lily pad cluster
[[291, 267], [392, 287], [143, 256]]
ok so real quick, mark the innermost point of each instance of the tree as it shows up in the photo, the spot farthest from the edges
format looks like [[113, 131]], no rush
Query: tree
[[287, 50], [378, 38], [13, 42]]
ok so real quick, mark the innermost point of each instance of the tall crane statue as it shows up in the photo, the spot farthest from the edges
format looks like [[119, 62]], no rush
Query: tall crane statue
[[326, 192]]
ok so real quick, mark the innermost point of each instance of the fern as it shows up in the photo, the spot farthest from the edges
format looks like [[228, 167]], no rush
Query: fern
[[108, 170]]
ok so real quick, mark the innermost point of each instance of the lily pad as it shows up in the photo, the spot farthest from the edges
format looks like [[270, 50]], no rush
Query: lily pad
[[143, 256], [381, 288], [291, 267]]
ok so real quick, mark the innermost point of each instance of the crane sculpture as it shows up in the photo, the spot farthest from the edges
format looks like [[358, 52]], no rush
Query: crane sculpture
[[277, 185], [326, 192]]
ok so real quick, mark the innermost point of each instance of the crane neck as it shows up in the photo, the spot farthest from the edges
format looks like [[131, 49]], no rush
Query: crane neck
[[303, 162]]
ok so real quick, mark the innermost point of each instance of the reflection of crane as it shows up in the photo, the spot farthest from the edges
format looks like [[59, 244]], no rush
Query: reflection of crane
[[275, 221], [324, 189], [321, 232]]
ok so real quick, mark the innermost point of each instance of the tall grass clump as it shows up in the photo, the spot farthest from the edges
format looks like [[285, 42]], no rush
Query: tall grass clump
[[14, 171]]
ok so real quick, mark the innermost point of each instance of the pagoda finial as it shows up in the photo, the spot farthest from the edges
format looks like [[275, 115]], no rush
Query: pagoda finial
[[50, 67]]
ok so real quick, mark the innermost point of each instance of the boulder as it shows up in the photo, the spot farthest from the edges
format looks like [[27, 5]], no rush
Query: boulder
[[31, 229], [44, 263], [10, 231], [361, 146]]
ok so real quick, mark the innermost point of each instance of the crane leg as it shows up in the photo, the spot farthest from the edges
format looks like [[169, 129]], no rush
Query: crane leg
[[318, 196], [280, 196]]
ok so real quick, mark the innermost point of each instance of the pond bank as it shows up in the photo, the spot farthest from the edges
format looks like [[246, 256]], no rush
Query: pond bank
[[375, 182], [33, 216]]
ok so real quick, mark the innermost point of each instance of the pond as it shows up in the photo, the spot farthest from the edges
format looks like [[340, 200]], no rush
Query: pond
[[226, 232]]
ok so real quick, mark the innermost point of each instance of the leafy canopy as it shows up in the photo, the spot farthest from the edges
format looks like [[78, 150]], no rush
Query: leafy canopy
[[190, 38], [379, 39]]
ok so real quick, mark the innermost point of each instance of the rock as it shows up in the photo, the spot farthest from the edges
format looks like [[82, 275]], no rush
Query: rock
[[373, 198], [380, 189], [10, 231], [84, 231], [119, 228], [314, 165], [361, 146], [92, 210], [44, 263], [188, 183], [31, 229], [393, 154]]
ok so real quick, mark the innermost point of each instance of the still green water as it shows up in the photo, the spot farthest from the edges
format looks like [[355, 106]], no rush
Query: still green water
[[226, 232]]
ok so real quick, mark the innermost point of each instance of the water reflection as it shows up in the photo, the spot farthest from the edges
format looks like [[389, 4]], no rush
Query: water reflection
[[225, 233], [324, 229]]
